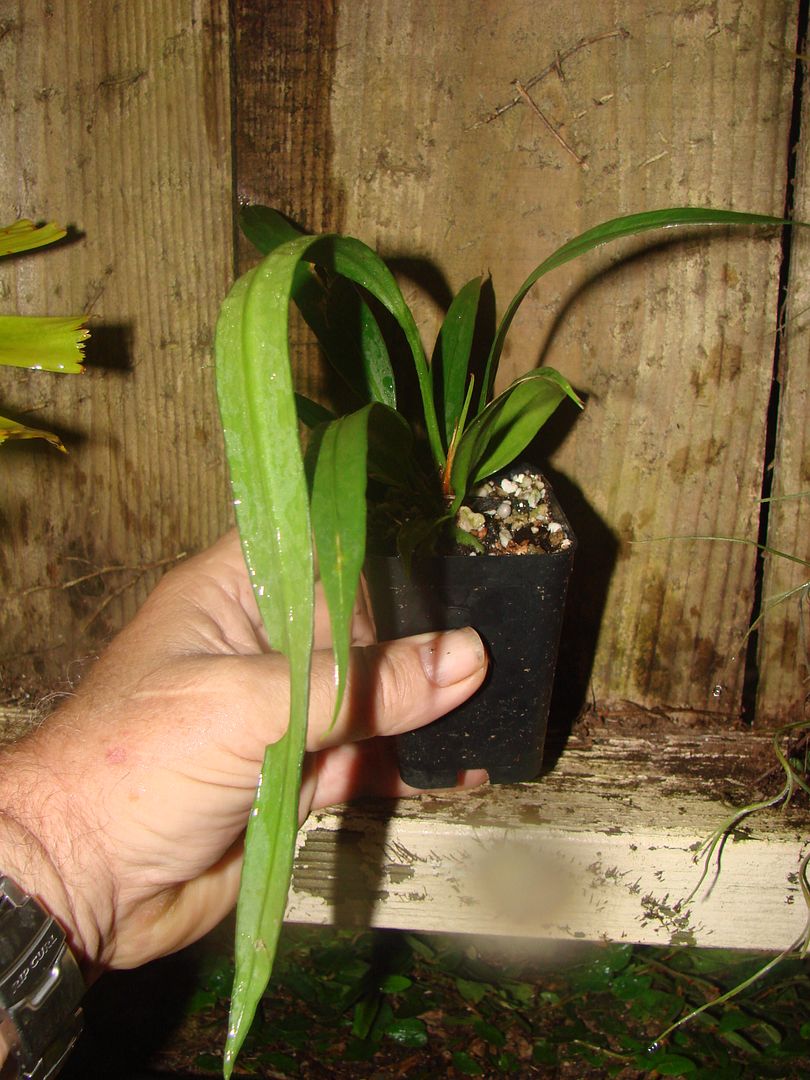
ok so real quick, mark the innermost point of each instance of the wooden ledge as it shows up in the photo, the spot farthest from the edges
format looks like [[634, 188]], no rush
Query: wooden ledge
[[603, 847]]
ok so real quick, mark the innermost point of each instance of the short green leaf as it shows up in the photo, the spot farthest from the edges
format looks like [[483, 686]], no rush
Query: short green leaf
[[359, 353], [451, 357], [266, 228], [466, 1064], [473, 992], [338, 507], [494, 1036], [408, 1032], [673, 1065], [311, 413], [390, 447], [507, 426]]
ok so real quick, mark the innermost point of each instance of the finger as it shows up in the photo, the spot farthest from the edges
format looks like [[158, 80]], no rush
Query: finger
[[364, 769], [392, 687], [395, 686]]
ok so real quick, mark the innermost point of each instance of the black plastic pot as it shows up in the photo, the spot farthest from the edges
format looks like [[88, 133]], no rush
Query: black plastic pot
[[516, 603]]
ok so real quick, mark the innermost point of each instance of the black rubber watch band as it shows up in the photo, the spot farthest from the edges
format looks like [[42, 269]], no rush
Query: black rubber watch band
[[40, 986]]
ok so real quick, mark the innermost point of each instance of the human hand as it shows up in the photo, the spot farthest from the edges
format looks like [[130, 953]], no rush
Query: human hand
[[125, 811]]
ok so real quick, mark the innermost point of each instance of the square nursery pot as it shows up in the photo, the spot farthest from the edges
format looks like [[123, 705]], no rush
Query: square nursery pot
[[516, 603]]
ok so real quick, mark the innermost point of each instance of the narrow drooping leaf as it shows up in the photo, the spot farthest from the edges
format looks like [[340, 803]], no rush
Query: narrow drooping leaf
[[10, 429], [24, 235], [450, 363], [338, 506], [508, 425], [268, 230], [343, 323], [615, 229], [270, 496], [45, 343]]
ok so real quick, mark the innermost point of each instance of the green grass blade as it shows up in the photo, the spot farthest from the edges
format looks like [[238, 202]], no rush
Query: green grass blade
[[774, 602], [451, 356], [49, 343], [254, 385], [783, 498], [765, 548], [616, 229], [339, 522]]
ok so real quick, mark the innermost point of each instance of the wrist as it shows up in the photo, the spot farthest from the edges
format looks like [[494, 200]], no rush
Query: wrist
[[38, 853]]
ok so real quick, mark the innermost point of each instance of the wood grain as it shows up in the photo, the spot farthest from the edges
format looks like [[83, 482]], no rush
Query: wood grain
[[116, 121], [406, 128], [686, 105], [784, 656], [602, 848]]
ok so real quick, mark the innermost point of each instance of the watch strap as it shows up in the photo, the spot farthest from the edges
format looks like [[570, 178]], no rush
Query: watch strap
[[41, 985]]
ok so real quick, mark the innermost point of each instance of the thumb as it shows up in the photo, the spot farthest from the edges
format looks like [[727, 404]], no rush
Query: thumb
[[395, 686]]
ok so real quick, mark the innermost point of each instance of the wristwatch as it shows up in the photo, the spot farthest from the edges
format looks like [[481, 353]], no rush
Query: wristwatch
[[40, 986]]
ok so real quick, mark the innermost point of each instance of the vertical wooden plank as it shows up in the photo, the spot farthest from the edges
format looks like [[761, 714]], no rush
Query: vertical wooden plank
[[284, 59], [439, 159], [283, 68], [784, 653], [116, 120]]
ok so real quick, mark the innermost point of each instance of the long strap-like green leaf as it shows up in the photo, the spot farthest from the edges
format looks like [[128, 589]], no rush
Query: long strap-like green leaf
[[339, 520], [629, 225], [254, 386]]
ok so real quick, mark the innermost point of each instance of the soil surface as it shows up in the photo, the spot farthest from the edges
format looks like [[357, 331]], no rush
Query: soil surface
[[515, 513]]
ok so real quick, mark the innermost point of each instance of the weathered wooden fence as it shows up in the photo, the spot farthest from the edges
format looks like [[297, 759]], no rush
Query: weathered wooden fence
[[426, 130]]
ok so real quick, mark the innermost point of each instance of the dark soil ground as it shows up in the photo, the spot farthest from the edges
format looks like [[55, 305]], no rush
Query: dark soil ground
[[388, 1005]]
